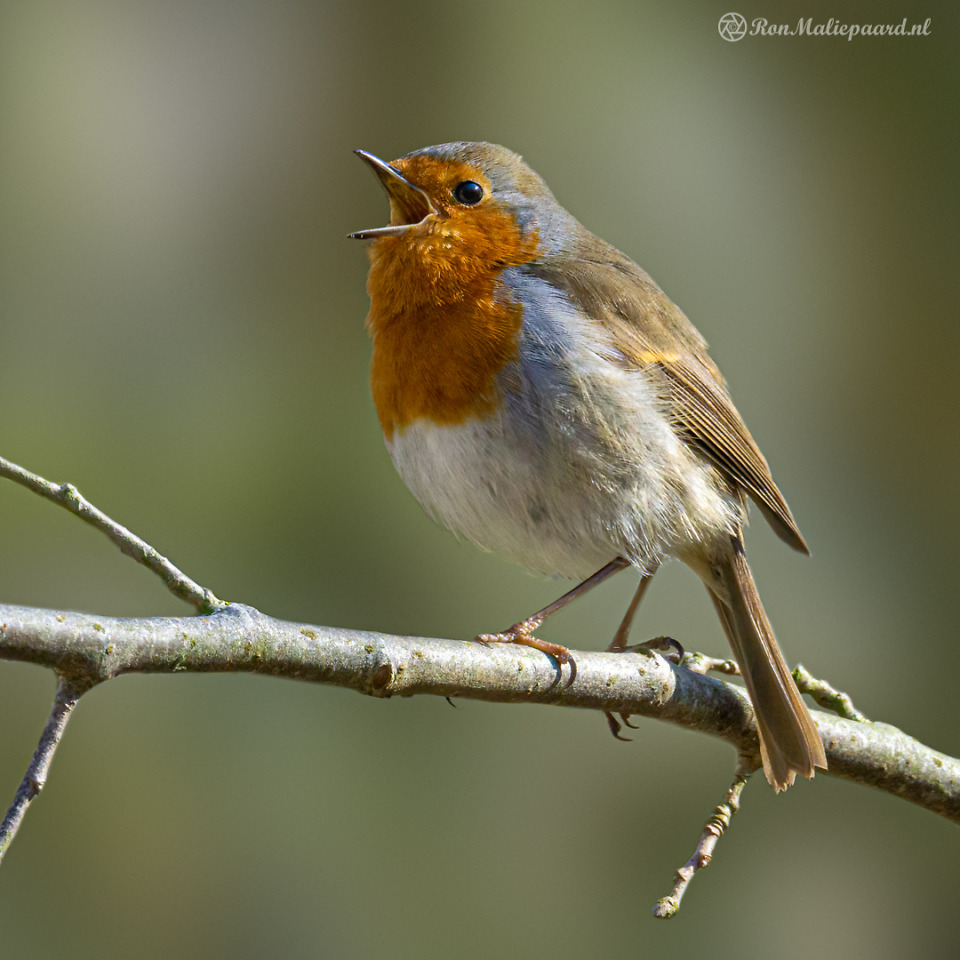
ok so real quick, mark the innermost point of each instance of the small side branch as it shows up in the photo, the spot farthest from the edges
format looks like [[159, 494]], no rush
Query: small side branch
[[68, 497], [826, 696], [701, 663], [36, 776], [715, 827]]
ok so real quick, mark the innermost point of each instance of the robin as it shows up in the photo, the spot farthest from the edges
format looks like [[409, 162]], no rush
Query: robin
[[541, 395]]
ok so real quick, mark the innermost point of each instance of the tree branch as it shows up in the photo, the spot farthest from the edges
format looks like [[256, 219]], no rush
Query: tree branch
[[88, 650], [36, 776], [70, 498], [715, 827]]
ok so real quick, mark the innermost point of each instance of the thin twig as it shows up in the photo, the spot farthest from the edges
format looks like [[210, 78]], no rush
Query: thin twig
[[701, 663], [713, 830], [36, 776], [68, 497], [826, 696]]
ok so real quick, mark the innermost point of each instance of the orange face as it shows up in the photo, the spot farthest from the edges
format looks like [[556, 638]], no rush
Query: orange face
[[442, 328]]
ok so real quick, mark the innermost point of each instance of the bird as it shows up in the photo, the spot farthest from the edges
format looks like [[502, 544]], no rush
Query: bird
[[541, 396]]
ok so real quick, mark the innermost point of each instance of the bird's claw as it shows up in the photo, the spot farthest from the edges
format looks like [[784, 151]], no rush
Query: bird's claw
[[675, 654], [522, 634], [617, 725]]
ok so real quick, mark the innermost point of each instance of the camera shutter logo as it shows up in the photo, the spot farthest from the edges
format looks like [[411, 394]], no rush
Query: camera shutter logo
[[732, 27]]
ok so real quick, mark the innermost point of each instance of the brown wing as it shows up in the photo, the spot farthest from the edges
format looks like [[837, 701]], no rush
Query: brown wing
[[652, 332]]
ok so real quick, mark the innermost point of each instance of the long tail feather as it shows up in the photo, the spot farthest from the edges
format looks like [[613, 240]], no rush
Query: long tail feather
[[789, 741]]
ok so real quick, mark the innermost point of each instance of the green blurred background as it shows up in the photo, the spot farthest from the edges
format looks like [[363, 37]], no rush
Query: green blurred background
[[182, 337]]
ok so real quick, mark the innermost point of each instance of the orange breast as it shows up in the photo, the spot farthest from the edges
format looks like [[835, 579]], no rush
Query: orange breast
[[441, 332]]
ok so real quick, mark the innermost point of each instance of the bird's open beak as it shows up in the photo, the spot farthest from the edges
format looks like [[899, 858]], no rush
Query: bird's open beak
[[409, 205]]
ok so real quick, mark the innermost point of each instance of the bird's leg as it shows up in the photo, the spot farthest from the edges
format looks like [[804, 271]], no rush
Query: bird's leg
[[619, 642], [522, 631]]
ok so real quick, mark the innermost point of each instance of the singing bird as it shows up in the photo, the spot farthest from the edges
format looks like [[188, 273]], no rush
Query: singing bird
[[541, 395]]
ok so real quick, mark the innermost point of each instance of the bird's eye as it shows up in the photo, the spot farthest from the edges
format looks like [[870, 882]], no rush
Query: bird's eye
[[469, 192]]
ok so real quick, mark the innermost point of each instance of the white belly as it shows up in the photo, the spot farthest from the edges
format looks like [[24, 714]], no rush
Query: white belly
[[564, 479]]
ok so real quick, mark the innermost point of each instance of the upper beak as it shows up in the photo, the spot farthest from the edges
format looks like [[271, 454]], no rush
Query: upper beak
[[409, 205]]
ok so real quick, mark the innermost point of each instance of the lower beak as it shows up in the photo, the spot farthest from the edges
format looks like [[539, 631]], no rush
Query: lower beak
[[409, 205]]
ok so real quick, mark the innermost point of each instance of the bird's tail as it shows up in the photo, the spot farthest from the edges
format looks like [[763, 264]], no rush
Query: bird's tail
[[789, 741]]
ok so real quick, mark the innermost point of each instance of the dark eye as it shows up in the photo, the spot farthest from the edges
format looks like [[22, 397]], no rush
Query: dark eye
[[468, 192]]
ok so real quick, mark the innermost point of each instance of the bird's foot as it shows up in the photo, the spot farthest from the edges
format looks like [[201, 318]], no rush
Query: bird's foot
[[522, 633], [618, 722], [674, 647]]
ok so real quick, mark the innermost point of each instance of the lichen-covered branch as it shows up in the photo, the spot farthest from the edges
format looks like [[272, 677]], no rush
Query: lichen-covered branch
[[87, 650]]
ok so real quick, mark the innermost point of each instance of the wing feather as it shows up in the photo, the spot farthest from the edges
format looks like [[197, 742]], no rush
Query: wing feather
[[653, 334]]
